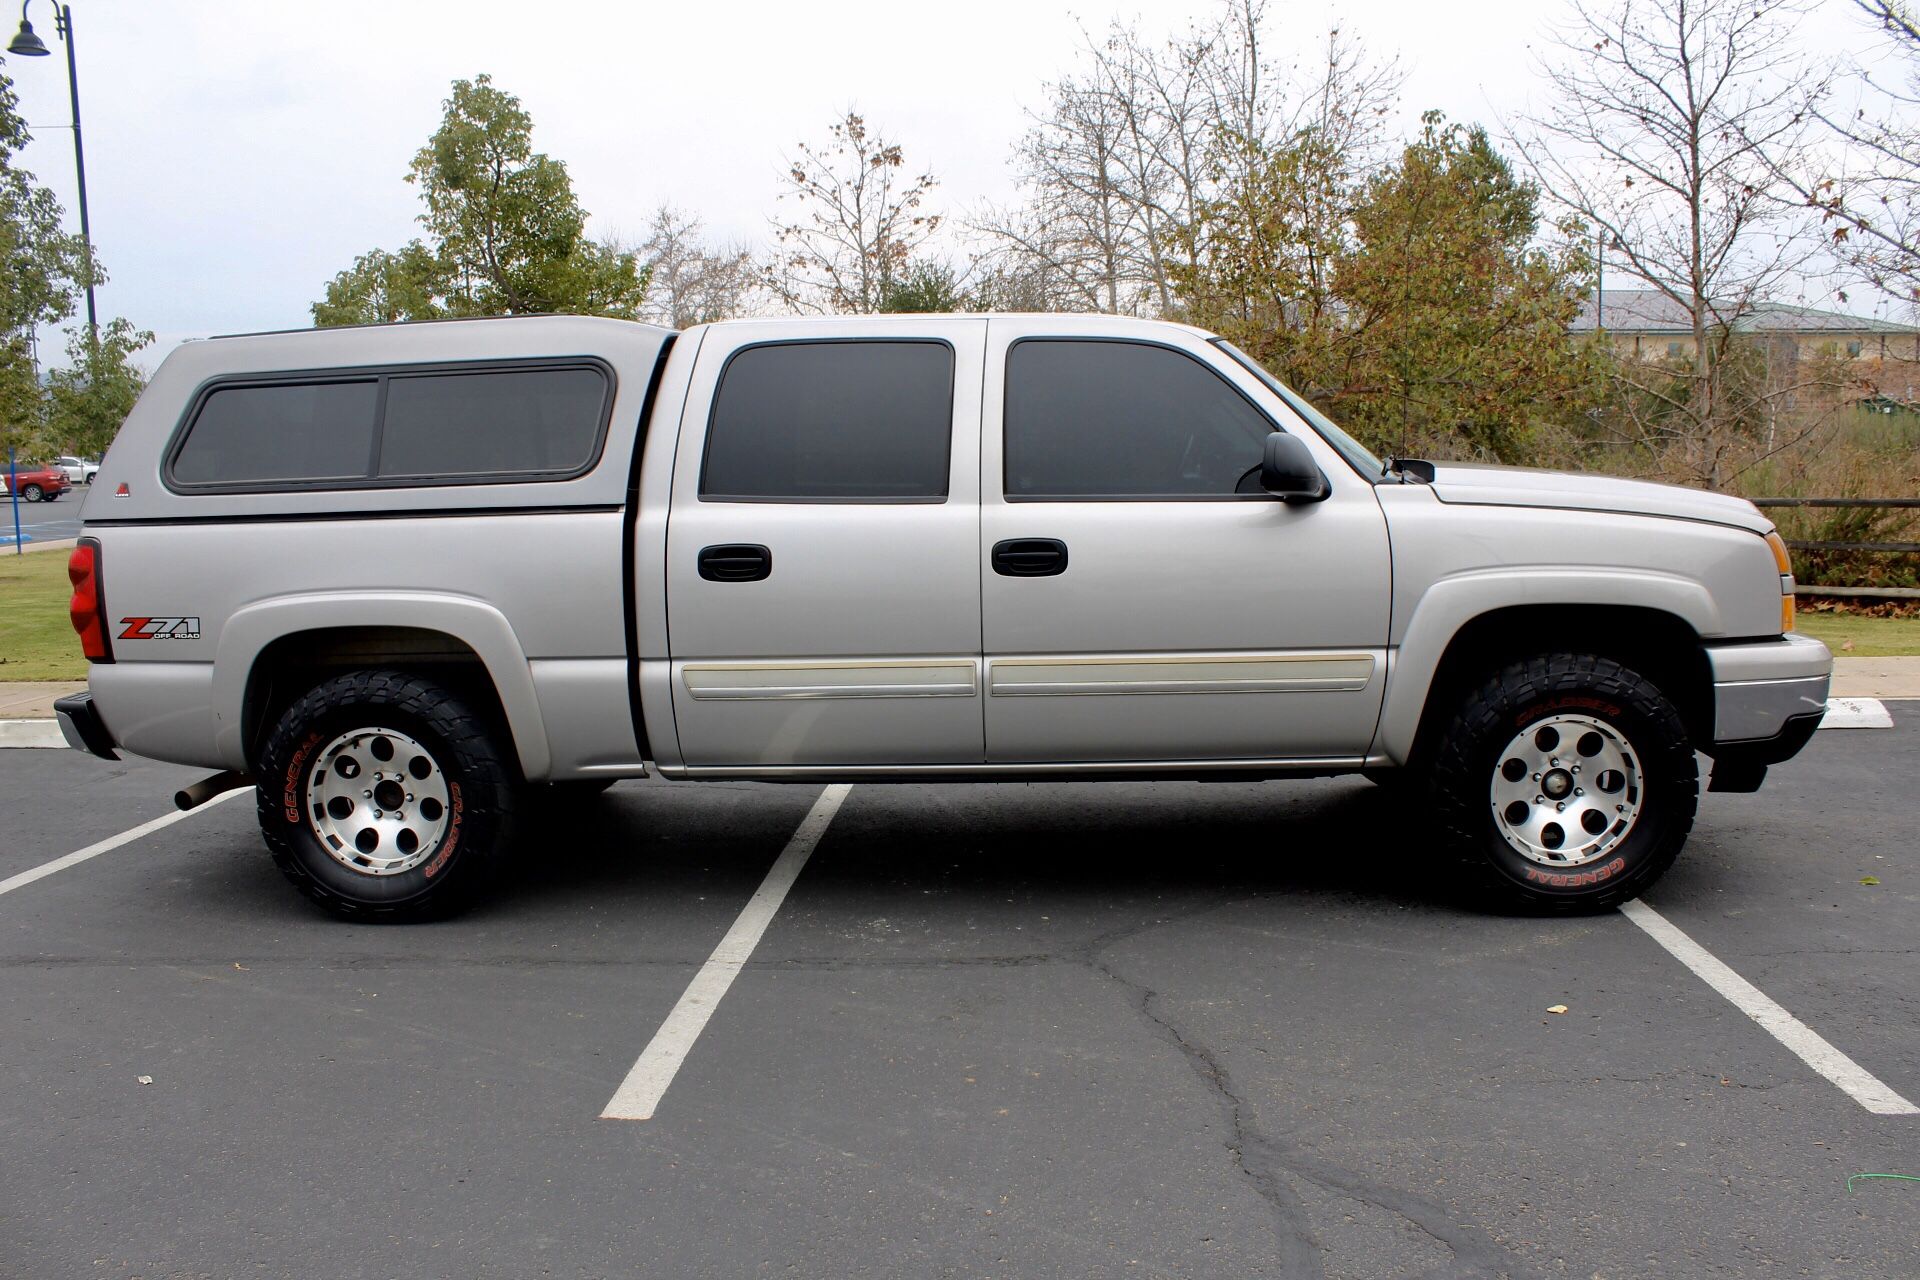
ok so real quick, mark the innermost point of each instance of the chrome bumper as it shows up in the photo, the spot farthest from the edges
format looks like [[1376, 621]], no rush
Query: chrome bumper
[[1760, 688]]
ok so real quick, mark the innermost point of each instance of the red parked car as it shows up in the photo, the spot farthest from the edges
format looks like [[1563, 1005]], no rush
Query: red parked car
[[36, 483]]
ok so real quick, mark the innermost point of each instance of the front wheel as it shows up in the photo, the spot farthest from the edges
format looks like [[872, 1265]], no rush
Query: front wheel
[[384, 797], [1566, 783]]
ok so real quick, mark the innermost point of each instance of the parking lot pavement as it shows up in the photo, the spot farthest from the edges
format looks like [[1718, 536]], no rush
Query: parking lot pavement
[[59, 518], [1088, 1030]]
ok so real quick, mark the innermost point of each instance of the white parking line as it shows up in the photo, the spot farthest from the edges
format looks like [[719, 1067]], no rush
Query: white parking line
[[639, 1094], [1853, 1079], [108, 845]]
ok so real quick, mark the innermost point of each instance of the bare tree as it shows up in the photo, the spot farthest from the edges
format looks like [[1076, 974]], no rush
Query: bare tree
[[1864, 184], [1666, 121], [694, 282], [1132, 144], [857, 222]]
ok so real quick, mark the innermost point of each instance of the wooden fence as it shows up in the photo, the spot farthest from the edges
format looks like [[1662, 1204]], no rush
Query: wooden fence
[[1882, 548]]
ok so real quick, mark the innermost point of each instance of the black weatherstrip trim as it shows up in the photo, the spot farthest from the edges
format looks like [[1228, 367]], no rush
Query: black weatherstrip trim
[[629, 563], [308, 517]]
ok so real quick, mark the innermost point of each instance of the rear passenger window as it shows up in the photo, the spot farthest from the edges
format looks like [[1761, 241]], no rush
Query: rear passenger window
[[832, 422], [1125, 420], [400, 426], [254, 434]]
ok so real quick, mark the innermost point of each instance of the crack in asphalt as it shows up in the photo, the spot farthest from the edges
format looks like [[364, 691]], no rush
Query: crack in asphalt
[[1265, 1157]]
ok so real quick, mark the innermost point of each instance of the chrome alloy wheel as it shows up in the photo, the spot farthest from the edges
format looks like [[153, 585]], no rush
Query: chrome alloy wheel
[[378, 801], [1566, 790]]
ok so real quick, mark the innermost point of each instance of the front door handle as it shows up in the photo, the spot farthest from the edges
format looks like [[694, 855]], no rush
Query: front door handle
[[734, 562], [1029, 557]]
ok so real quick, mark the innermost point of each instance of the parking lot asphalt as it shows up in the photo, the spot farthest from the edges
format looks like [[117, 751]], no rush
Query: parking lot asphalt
[[1052, 1030], [46, 521]]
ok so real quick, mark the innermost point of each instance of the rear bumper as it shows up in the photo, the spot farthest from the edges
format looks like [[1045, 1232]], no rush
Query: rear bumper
[[1768, 692], [82, 727]]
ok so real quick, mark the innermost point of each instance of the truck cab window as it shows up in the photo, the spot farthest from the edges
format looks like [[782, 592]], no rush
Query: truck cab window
[[1112, 419], [847, 421]]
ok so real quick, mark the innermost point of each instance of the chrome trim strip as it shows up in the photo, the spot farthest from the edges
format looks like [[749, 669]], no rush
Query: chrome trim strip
[[1091, 768], [879, 678], [1179, 673]]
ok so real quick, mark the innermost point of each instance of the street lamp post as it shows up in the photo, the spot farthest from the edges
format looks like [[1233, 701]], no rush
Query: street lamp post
[[28, 45]]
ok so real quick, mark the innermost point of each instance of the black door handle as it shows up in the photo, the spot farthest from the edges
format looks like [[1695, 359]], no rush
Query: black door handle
[[1030, 557], [734, 562]]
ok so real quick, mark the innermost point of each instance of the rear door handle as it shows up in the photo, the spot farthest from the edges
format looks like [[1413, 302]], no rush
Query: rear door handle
[[734, 562], [1029, 557]]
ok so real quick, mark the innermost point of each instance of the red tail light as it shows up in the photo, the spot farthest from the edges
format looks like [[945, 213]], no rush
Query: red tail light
[[87, 609]]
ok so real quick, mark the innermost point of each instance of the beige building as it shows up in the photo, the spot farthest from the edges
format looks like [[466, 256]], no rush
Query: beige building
[[1651, 326]]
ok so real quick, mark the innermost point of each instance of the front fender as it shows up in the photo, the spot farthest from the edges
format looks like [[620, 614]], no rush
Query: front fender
[[475, 623], [1451, 603]]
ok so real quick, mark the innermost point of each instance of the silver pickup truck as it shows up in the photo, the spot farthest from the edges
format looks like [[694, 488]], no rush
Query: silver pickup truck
[[413, 581]]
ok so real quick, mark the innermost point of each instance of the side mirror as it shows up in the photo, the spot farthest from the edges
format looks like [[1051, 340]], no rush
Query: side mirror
[[1288, 471]]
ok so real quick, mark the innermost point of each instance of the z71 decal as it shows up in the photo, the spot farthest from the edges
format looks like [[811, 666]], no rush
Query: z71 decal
[[160, 628]]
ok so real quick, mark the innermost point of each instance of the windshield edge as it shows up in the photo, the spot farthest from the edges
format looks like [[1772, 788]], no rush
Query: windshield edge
[[1357, 455]]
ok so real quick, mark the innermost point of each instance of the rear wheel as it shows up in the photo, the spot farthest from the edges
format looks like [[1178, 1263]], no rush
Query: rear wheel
[[32, 492], [383, 797], [1566, 783]]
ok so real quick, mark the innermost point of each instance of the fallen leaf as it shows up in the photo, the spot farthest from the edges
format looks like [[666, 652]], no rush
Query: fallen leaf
[[146, 1079], [242, 968], [1846, 646], [1556, 1008], [1869, 879]]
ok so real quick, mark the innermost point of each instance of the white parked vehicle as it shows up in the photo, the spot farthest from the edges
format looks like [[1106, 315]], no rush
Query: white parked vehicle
[[79, 470], [404, 577]]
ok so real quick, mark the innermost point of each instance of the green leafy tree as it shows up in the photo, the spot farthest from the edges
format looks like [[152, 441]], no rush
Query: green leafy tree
[[1461, 318], [88, 400], [925, 288], [42, 270], [505, 233], [22, 415], [42, 267], [1412, 304], [1258, 261], [382, 287]]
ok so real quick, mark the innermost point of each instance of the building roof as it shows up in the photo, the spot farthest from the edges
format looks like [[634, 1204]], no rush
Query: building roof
[[1650, 311]]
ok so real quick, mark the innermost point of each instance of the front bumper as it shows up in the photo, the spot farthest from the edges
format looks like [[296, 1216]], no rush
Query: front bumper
[[1768, 699], [1761, 688], [82, 727]]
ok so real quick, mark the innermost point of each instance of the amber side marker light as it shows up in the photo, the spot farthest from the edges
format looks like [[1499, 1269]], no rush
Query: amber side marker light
[[1784, 562]]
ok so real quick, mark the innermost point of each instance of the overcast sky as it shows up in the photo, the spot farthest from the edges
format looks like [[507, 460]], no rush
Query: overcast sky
[[239, 154]]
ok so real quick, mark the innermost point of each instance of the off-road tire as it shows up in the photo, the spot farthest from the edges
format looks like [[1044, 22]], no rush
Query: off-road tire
[[1468, 755], [480, 810]]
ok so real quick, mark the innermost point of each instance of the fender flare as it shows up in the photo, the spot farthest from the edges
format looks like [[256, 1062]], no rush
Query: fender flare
[[1453, 602], [475, 623]]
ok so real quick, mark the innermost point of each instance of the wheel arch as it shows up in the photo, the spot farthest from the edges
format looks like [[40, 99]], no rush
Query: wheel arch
[[272, 651], [1449, 647]]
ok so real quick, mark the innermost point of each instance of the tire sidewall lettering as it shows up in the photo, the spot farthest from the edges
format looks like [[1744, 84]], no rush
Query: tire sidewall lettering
[[456, 812], [292, 797], [1576, 879]]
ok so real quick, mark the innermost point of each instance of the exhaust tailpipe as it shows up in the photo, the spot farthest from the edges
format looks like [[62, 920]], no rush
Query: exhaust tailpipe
[[192, 797]]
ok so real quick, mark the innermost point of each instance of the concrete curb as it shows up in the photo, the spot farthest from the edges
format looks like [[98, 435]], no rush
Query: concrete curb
[[31, 733]]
